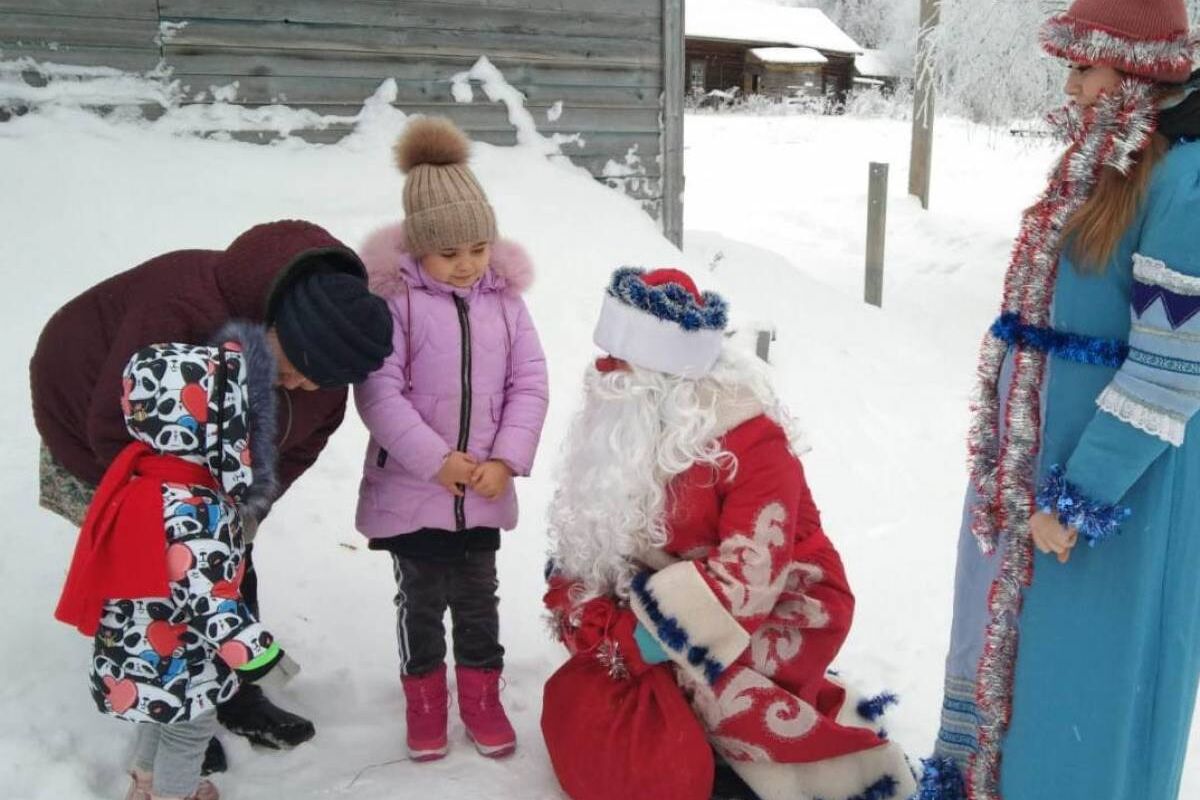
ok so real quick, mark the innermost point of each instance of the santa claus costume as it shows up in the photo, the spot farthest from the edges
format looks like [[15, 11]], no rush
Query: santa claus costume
[[682, 505]]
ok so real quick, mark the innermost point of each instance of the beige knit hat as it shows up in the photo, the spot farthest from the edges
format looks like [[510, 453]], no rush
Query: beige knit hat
[[444, 205]]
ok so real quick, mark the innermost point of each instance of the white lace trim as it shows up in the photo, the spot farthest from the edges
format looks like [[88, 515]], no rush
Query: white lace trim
[[1144, 417], [1157, 273]]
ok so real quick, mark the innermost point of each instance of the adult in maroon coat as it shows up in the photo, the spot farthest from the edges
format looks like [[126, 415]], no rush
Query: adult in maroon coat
[[326, 331]]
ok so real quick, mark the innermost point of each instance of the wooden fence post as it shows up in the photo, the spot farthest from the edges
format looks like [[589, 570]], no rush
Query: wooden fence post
[[876, 232], [762, 343], [920, 160]]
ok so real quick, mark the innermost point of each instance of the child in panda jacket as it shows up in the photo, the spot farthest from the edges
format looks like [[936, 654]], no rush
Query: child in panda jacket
[[157, 569]]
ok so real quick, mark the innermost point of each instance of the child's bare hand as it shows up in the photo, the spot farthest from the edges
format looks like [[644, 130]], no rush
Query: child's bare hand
[[1051, 536], [490, 479], [457, 471]]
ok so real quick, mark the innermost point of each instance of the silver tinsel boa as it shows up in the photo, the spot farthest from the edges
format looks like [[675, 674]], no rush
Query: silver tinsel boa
[[1003, 465]]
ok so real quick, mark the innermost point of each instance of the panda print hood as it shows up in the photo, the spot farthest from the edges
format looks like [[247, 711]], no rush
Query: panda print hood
[[212, 405]]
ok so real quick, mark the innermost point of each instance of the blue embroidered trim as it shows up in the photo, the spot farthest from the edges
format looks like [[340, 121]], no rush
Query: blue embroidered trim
[[959, 739], [940, 780], [881, 789], [670, 633], [1094, 521], [872, 708], [1165, 363], [669, 302], [1069, 346]]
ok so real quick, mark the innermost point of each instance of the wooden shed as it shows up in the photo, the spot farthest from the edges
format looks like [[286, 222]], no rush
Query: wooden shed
[[876, 68], [781, 72], [616, 66], [721, 35]]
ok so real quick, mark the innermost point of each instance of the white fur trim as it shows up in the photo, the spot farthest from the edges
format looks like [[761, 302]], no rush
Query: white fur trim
[[646, 341], [837, 778], [685, 597], [1156, 273]]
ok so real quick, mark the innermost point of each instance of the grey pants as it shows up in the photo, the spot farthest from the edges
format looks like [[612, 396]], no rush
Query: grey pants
[[174, 753], [425, 588]]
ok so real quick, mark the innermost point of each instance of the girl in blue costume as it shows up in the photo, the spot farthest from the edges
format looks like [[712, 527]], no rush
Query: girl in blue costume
[[1072, 673]]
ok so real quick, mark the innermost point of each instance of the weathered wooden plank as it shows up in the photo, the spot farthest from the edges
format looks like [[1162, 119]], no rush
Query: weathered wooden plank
[[126, 58], [596, 21], [267, 89], [648, 8], [64, 30], [494, 117], [598, 148], [112, 9], [673, 82], [305, 36], [189, 60]]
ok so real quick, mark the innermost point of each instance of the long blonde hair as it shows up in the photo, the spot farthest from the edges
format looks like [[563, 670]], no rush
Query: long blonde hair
[[1094, 231]]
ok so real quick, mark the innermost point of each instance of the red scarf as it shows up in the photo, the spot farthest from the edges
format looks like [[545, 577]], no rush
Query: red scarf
[[122, 547]]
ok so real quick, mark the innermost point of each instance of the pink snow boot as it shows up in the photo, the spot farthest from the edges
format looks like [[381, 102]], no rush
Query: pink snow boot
[[427, 701], [479, 704], [140, 789]]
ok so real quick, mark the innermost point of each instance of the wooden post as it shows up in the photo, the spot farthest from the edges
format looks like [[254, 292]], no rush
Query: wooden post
[[762, 344], [876, 232], [672, 125], [920, 160]]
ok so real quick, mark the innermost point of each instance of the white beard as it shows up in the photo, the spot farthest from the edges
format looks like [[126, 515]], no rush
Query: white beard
[[636, 431]]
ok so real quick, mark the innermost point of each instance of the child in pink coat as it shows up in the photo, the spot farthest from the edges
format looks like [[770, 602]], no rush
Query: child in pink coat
[[454, 414]]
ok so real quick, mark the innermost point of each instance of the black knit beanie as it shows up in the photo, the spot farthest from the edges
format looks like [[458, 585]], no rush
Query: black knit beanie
[[332, 329]]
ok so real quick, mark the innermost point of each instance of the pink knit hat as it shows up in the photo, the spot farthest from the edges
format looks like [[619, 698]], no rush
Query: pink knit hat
[[1149, 38]]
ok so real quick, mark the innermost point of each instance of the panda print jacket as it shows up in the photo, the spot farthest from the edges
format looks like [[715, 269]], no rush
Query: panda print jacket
[[169, 659]]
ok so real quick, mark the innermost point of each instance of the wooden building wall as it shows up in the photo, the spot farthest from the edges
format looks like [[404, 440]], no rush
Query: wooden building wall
[[605, 60]]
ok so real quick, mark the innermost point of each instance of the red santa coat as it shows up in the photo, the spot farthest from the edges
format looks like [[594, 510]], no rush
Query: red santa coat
[[752, 604]]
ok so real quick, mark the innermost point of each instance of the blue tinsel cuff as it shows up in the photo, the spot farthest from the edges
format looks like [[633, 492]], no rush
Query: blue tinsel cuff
[[872, 708], [940, 780], [1095, 521], [670, 301], [1068, 346]]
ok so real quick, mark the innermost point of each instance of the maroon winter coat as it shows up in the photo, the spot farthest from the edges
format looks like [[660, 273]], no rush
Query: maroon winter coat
[[181, 296]]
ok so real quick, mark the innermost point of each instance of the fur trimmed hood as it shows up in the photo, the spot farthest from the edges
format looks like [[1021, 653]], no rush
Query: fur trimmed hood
[[392, 268]]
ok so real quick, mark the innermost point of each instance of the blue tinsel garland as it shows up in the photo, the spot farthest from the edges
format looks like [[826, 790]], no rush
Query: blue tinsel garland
[[940, 780], [1095, 521], [872, 708], [1069, 346], [671, 634], [670, 302]]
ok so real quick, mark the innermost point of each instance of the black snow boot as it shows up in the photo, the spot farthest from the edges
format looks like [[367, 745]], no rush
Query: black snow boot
[[728, 786], [250, 714], [214, 758]]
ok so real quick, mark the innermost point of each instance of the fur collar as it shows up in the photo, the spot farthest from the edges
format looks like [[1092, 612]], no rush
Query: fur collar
[[262, 371], [392, 269]]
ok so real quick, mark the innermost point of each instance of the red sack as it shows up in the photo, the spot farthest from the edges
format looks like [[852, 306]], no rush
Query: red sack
[[628, 738]]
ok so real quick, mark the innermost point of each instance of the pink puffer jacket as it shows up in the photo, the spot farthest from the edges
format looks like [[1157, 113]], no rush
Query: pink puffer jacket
[[467, 373]]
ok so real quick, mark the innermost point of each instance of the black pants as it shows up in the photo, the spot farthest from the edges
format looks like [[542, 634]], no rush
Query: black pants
[[425, 587]]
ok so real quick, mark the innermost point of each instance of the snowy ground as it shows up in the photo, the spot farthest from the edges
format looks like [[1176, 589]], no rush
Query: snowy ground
[[775, 218]]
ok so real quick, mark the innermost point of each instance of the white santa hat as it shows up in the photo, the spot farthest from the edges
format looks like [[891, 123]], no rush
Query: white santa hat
[[660, 321]]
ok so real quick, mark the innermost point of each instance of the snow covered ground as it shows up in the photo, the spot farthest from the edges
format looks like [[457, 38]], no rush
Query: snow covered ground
[[775, 218]]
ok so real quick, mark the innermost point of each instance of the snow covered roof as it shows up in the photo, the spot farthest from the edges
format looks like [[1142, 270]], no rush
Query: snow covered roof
[[765, 23], [789, 55], [876, 64]]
